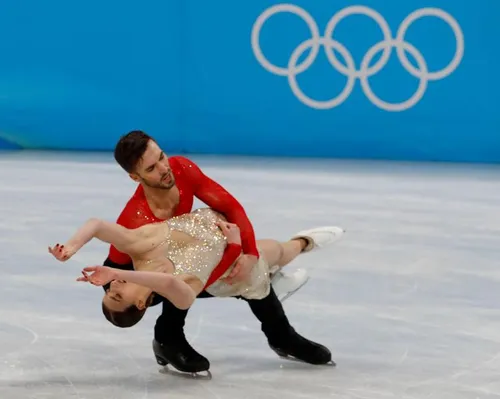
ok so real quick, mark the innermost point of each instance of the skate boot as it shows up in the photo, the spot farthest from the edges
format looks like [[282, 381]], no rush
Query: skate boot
[[284, 284], [282, 337], [287, 284], [181, 356], [291, 345], [320, 237]]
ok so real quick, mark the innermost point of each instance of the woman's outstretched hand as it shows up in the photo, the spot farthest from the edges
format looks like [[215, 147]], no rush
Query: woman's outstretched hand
[[100, 275], [61, 252]]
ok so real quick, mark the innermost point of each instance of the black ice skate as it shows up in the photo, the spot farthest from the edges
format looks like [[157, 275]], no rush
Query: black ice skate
[[293, 346], [182, 357]]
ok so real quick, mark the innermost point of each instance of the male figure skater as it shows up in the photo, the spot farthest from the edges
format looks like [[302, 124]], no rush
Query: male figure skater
[[167, 187]]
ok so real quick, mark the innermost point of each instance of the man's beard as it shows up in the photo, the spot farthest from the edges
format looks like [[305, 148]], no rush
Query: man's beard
[[160, 185]]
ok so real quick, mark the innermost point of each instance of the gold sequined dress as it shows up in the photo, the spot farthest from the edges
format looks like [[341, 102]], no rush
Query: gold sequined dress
[[200, 256]]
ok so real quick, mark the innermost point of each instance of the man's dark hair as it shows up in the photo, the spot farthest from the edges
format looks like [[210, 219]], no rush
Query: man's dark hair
[[130, 149], [128, 318]]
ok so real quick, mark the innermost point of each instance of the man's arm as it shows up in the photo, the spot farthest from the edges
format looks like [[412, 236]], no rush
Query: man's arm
[[230, 255], [219, 199]]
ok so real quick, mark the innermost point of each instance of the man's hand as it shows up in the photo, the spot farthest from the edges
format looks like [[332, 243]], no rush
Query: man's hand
[[242, 269]]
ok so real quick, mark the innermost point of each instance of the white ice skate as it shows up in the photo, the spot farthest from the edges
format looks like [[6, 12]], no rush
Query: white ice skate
[[320, 237], [287, 284]]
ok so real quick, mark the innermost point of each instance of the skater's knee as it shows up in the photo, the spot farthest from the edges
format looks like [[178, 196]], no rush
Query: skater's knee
[[271, 250], [281, 254]]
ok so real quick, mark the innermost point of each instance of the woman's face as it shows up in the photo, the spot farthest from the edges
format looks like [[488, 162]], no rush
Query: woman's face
[[121, 295]]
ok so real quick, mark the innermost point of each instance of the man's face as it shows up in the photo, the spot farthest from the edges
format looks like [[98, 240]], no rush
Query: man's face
[[153, 170]]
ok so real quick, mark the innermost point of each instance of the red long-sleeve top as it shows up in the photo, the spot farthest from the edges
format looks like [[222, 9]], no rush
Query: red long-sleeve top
[[191, 182]]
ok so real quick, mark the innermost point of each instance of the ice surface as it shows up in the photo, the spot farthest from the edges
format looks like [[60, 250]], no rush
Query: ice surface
[[408, 301]]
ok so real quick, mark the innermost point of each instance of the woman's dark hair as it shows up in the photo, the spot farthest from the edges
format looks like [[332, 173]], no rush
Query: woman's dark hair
[[127, 318], [130, 149]]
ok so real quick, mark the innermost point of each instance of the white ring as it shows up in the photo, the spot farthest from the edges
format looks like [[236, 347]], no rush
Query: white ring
[[334, 102], [422, 86], [459, 37], [379, 19], [300, 12]]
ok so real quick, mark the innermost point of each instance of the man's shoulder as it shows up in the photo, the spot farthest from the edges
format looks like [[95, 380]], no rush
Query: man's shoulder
[[136, 199], [180, 161], [179, 158], [136, 211]]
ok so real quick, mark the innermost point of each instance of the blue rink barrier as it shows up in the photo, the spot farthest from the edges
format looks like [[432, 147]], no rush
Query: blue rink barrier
[[380, 79]]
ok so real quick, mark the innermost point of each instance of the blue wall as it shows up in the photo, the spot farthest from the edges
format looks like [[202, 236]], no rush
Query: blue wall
[[77, 75]]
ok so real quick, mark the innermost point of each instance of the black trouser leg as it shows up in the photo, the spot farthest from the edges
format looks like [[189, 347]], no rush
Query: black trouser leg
[[269, 311], [170, 344], [281, 336], [172, 320], [170, 323]]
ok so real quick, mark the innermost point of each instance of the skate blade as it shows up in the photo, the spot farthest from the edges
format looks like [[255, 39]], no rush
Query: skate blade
[[183, 374], [288, 295], [331, 363]]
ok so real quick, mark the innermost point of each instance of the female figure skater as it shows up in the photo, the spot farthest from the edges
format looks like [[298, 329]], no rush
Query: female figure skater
[[176, 258]]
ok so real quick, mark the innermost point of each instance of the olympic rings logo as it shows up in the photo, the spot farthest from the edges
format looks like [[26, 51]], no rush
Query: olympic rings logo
[[366, 70]]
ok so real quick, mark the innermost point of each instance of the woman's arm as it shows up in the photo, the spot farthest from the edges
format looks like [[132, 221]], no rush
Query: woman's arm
[[126, 240], [180, 290]]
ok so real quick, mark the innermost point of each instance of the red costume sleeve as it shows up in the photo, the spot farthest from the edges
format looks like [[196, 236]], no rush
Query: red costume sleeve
[[230, 255], [219, 199]]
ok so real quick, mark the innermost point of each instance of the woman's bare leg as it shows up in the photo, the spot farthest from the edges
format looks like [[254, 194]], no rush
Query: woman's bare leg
[[279, 253]]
